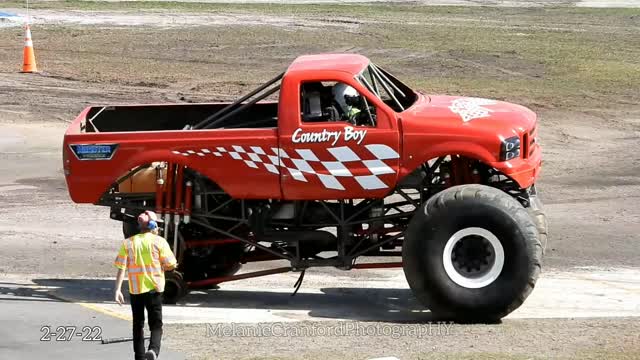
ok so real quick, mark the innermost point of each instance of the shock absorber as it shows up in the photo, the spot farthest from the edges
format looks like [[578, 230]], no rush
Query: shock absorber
[[187, 201], [178, 207], [445, 175], [169, 198], [159, 190], [179, 185]]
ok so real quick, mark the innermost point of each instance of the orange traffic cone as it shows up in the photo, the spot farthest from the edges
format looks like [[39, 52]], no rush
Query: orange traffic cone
[[29, 65]]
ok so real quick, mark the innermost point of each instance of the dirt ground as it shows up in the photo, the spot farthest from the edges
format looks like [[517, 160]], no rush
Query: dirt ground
[[513, 339], [578, 69]]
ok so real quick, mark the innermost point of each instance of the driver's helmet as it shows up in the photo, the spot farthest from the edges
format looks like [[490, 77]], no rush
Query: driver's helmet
[[345, 96]]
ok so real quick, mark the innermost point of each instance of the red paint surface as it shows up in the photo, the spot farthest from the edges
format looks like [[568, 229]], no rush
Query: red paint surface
[[426, 130]]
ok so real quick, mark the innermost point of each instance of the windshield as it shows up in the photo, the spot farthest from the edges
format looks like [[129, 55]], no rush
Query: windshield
[[386, 87]]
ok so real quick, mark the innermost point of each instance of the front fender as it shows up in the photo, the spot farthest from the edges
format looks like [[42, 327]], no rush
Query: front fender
[[523, 171], [417, 157]]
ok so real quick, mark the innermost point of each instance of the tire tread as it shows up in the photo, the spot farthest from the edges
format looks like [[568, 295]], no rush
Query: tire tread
[[532, 226]]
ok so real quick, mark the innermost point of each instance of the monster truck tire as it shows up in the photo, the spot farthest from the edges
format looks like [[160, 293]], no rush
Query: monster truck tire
[[540, 219], [174, 287], [129, 229], [228, 270], [224, 260], [472, 254]]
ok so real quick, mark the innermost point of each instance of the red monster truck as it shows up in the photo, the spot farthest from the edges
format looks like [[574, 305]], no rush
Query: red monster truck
[[349, 162]]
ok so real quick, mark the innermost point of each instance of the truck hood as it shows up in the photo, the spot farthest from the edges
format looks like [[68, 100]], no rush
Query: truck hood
[[475, 128], [453, 115]]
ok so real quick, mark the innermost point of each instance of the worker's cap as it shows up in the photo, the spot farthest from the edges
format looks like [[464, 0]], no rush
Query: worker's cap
[[148, 220]]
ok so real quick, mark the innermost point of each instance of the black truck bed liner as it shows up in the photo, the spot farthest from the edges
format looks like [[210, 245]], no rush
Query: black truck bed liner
[[175, 117]]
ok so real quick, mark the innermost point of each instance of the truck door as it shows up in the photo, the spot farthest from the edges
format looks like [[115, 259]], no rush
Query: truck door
[[327, 152]]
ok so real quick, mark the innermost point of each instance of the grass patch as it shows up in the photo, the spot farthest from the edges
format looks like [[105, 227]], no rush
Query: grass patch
[[357, 9], [542, 57]]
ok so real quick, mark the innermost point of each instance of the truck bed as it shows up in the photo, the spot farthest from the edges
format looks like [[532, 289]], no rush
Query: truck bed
[[174, 117], [134, 135]]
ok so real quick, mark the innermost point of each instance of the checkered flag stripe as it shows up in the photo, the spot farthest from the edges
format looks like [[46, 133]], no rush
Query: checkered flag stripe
[[305, 164]]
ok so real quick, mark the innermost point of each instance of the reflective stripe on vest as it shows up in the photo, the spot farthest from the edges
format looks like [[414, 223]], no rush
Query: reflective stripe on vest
[[149, 269]]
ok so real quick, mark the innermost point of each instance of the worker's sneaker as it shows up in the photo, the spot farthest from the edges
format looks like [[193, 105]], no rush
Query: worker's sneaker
[[150, 355]]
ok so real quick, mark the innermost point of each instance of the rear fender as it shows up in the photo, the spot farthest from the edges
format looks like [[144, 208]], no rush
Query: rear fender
[[89, 189], [162, 156]]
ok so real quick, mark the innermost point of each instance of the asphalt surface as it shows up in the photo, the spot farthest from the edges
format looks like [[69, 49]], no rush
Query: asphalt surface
[[377, 295], [30, 321]]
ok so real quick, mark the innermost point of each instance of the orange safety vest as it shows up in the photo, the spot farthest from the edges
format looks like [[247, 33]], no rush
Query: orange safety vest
[[145, 256]]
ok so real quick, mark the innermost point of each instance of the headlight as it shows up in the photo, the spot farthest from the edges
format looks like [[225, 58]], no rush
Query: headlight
[[510, 148]]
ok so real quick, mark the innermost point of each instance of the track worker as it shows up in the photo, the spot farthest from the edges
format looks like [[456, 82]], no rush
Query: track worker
[[145, 256]]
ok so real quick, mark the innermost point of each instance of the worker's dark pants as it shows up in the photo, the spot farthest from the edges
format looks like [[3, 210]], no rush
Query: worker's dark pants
[[152, 301]]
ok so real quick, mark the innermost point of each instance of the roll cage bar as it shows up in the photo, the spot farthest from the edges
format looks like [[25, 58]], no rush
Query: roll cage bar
[[237, 106], [379, 79]]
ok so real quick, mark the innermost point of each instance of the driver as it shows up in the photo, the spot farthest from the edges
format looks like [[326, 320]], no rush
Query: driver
[[348, 99]]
